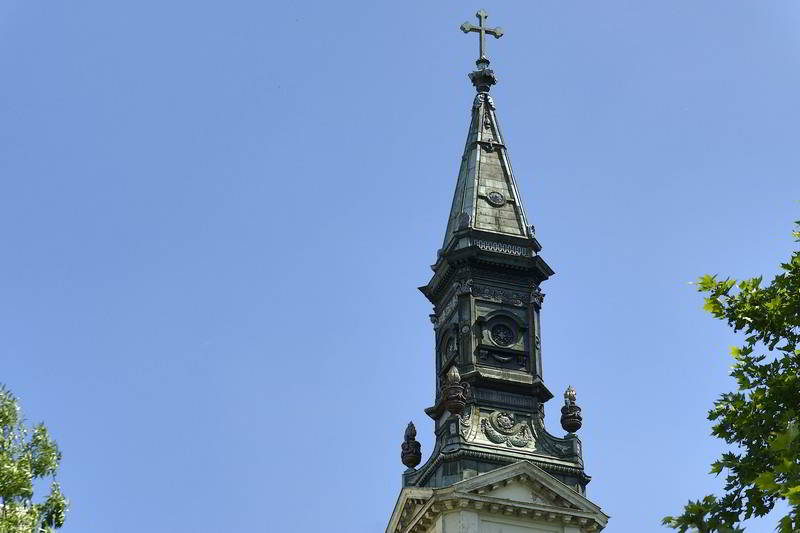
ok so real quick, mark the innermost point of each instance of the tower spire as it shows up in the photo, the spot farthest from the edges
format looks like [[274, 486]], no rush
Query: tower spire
[[490, 391], [486, 197], [492, 451]]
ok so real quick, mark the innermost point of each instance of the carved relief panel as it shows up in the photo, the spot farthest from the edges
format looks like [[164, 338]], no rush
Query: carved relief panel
[[503, 428]]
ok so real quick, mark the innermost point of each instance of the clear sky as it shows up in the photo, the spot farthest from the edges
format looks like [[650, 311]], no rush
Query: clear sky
[[214, 217]]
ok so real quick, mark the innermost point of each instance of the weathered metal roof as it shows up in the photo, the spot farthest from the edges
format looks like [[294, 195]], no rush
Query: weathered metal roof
[[486, 196]]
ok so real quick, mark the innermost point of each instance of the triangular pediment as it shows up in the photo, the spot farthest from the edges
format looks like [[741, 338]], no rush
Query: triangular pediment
[[518, 490], [408, 506], [521, 490], [526, 483]]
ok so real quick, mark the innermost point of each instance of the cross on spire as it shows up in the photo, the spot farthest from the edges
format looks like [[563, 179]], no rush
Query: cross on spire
[[483, 61]]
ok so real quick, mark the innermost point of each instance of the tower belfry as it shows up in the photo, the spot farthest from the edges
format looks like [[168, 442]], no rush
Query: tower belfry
[[493, 461]]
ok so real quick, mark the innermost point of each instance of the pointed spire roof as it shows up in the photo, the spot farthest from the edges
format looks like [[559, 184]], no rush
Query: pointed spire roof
[[486, 197]]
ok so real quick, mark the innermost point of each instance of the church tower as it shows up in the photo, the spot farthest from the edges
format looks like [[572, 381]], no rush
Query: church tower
[[494, 467]]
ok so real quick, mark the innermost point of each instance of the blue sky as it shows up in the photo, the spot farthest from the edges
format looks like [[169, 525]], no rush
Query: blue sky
[[214, 217]]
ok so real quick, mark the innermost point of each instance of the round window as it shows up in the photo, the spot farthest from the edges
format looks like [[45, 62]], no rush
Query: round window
[[502, 334]]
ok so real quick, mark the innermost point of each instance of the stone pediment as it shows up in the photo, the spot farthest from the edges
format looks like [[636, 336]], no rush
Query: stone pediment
[[525, 482], [410, 502], [521, 491]]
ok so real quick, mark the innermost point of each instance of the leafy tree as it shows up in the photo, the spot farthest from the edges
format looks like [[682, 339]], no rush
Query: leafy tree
[[760, 419], [27, 455]]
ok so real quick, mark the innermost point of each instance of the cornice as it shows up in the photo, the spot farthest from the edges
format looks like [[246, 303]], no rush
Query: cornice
[[466, 453], [446, 501]]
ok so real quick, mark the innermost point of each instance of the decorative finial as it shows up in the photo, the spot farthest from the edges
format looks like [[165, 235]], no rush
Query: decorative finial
[[455, 392], [453, 376], [411, 450], [483, 78], [570, 396], [571, 419], [482, 30]]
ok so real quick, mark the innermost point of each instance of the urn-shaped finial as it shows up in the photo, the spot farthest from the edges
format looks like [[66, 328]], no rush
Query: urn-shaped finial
[[571, 419], [453, 375], [411, 450], [570, 396], [455, 397]]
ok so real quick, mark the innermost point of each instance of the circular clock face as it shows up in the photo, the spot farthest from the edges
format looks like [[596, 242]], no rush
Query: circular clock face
[[496, 199], [502, 334]]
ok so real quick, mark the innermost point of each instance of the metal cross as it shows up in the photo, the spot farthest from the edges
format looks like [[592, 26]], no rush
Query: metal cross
[[482, 30]]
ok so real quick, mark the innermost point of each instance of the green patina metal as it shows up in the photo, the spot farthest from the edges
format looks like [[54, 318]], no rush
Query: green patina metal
[[485, 289]]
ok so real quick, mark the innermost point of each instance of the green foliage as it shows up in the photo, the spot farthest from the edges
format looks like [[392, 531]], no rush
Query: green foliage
[[27, 455], [761, 418]]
